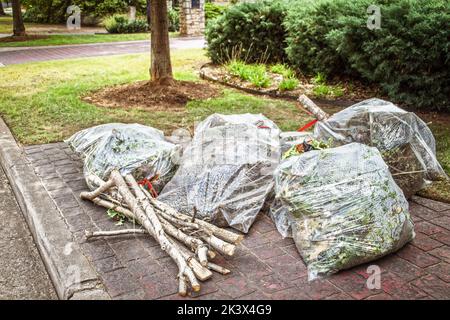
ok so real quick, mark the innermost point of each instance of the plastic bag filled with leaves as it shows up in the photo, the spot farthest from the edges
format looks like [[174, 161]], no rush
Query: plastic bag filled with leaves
[[341, 206], [226, 172], [404, 140], [131, 148], [290, 139]]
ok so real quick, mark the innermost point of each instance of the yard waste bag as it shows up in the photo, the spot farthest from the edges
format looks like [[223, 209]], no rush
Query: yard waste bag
[[290, 139], [131, 148], [406, 143], [341, 206], [226, 172]]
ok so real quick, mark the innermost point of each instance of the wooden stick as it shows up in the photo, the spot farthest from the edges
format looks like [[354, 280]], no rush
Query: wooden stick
[[147, 219], [161, 237], [194, 243], [200, 271], [220, 245], [103, 188], [218, 232], [211, 254], [182, 286], [217, 268], [94, 234], [313, 108]]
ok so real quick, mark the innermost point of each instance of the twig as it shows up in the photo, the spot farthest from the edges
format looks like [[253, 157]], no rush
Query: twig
[[94, 234]]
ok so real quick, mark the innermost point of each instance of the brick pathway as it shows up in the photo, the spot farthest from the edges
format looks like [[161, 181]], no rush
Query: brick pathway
[[22, 55], [265, 267]]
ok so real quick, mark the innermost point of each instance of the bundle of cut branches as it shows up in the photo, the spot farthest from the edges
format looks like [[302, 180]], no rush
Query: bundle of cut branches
[[190, 242]]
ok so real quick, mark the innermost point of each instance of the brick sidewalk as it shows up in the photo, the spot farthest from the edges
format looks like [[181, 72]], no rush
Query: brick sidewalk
[[10, 56], [265, 267]]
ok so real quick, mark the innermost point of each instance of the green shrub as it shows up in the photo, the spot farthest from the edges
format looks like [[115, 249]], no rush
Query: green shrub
[[252, 32], [213, 11], [45, 11], [408, 57], [309, 47], [174, 20], [121, 24], [288, 84]]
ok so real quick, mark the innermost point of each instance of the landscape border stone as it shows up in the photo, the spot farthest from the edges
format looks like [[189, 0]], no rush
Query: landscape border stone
[[70, 271]]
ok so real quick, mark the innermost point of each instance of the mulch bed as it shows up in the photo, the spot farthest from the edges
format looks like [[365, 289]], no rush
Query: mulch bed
[[147, 95], [353, 90]]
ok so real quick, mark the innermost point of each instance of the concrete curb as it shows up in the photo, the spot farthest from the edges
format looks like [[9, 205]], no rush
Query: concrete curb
[[71, 273]]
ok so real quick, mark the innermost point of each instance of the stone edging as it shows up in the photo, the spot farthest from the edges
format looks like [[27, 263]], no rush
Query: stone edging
[[72, 275]]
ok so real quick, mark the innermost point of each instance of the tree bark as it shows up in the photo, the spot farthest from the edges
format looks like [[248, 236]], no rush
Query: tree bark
[[149, 20], [313, 108], [18, 26], [2, 12], [161, 67]]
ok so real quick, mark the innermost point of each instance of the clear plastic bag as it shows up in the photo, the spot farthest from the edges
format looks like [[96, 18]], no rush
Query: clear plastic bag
[[131, 148], [226, 172], [341, 206], [292, 138], [406, 143]]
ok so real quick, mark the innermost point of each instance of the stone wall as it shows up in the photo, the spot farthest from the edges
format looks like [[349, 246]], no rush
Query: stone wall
[[192, 18]]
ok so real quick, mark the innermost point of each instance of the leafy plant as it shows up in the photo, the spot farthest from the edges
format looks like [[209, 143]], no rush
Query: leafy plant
[[320, 78], [45, 11], [238, 68], [119, 217], [121, 24], [260, 79], [254, 73], [324, 90], [282, 69], [213, 11], [288, 84], [174, 20]]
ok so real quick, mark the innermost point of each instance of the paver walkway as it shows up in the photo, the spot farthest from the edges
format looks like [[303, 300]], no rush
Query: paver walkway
[[23, 275], [10, 56], [265, 267]]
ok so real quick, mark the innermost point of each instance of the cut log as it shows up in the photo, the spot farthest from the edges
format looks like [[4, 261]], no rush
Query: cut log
[[313, 108]]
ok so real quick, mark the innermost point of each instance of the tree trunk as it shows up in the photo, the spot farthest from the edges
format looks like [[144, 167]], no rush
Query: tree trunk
[[148, 12], [2, 12], [161, 67], [18, 26]]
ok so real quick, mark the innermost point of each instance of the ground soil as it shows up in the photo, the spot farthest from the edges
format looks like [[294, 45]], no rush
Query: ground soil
[[149, 96]]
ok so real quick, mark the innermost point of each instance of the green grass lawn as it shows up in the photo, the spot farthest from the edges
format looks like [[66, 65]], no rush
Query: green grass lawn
[[64, 39], [57, 39], [41, 101], [440, 190]]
